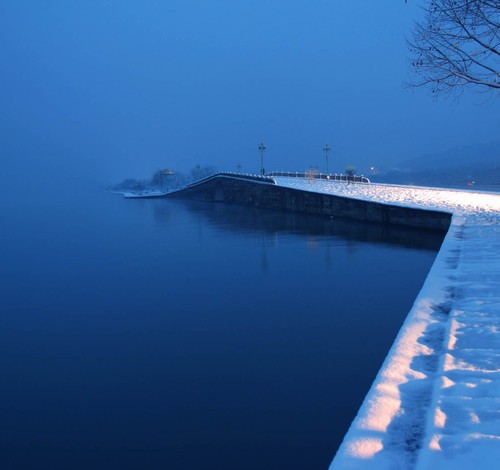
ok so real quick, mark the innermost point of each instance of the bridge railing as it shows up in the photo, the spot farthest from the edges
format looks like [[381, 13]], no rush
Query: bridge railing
[[321, 176], [244, 176], [268, 177]]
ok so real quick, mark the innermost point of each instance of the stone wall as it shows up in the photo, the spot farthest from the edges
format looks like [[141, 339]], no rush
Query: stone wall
[[266, 195]]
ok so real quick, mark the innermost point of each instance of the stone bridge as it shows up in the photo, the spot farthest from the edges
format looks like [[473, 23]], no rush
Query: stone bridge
[[263, 192]]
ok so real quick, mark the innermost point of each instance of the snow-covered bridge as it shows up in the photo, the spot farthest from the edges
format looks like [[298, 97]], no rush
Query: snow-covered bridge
[[301, 195]]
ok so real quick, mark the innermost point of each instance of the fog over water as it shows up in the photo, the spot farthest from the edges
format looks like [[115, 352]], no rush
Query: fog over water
[[102, 90]]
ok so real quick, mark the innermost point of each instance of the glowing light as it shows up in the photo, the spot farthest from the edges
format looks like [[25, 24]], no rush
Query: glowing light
[[435, 442], [365, 448], [440, 419]]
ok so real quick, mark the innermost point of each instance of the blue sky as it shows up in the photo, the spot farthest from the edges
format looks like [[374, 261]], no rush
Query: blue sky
[[110, 89]]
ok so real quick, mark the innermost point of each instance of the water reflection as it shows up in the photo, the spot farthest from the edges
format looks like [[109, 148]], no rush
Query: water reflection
[[272, 224], [181, 335]]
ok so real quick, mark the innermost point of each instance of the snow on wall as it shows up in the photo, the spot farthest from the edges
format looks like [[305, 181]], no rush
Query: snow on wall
[[463, 428], [390, 425], [435, 402]]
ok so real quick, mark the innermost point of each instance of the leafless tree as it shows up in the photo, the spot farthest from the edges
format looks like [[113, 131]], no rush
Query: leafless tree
[[457, 44]]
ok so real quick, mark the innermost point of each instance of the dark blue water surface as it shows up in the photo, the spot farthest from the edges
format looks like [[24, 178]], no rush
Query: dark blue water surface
[[159, 334]]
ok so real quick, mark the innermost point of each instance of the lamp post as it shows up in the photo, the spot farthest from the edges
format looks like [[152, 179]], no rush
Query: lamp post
[[327, 149], [262, 149]]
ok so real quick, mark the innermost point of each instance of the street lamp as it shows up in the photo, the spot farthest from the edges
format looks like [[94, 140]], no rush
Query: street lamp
[[327, 149], [262, 149]]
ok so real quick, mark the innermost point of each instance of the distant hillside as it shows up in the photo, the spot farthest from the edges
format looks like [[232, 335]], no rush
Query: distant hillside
[[478, 164], [466, 156]]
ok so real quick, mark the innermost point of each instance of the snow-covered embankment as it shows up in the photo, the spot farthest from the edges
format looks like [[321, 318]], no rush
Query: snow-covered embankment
[[435, 402]]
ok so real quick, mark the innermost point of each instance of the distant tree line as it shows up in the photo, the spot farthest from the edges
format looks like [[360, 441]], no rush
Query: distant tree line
[[165, 180]]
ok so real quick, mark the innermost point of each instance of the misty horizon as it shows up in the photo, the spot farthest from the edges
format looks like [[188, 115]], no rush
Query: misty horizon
[[103, 92]]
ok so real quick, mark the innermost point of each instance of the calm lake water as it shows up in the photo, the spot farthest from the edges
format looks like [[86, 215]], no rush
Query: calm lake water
[[157, 334]]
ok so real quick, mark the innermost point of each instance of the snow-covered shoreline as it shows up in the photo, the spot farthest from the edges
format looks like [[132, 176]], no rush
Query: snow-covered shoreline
[[435, 401]]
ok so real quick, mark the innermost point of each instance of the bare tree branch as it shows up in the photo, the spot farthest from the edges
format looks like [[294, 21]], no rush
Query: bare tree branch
[[457, 44]]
